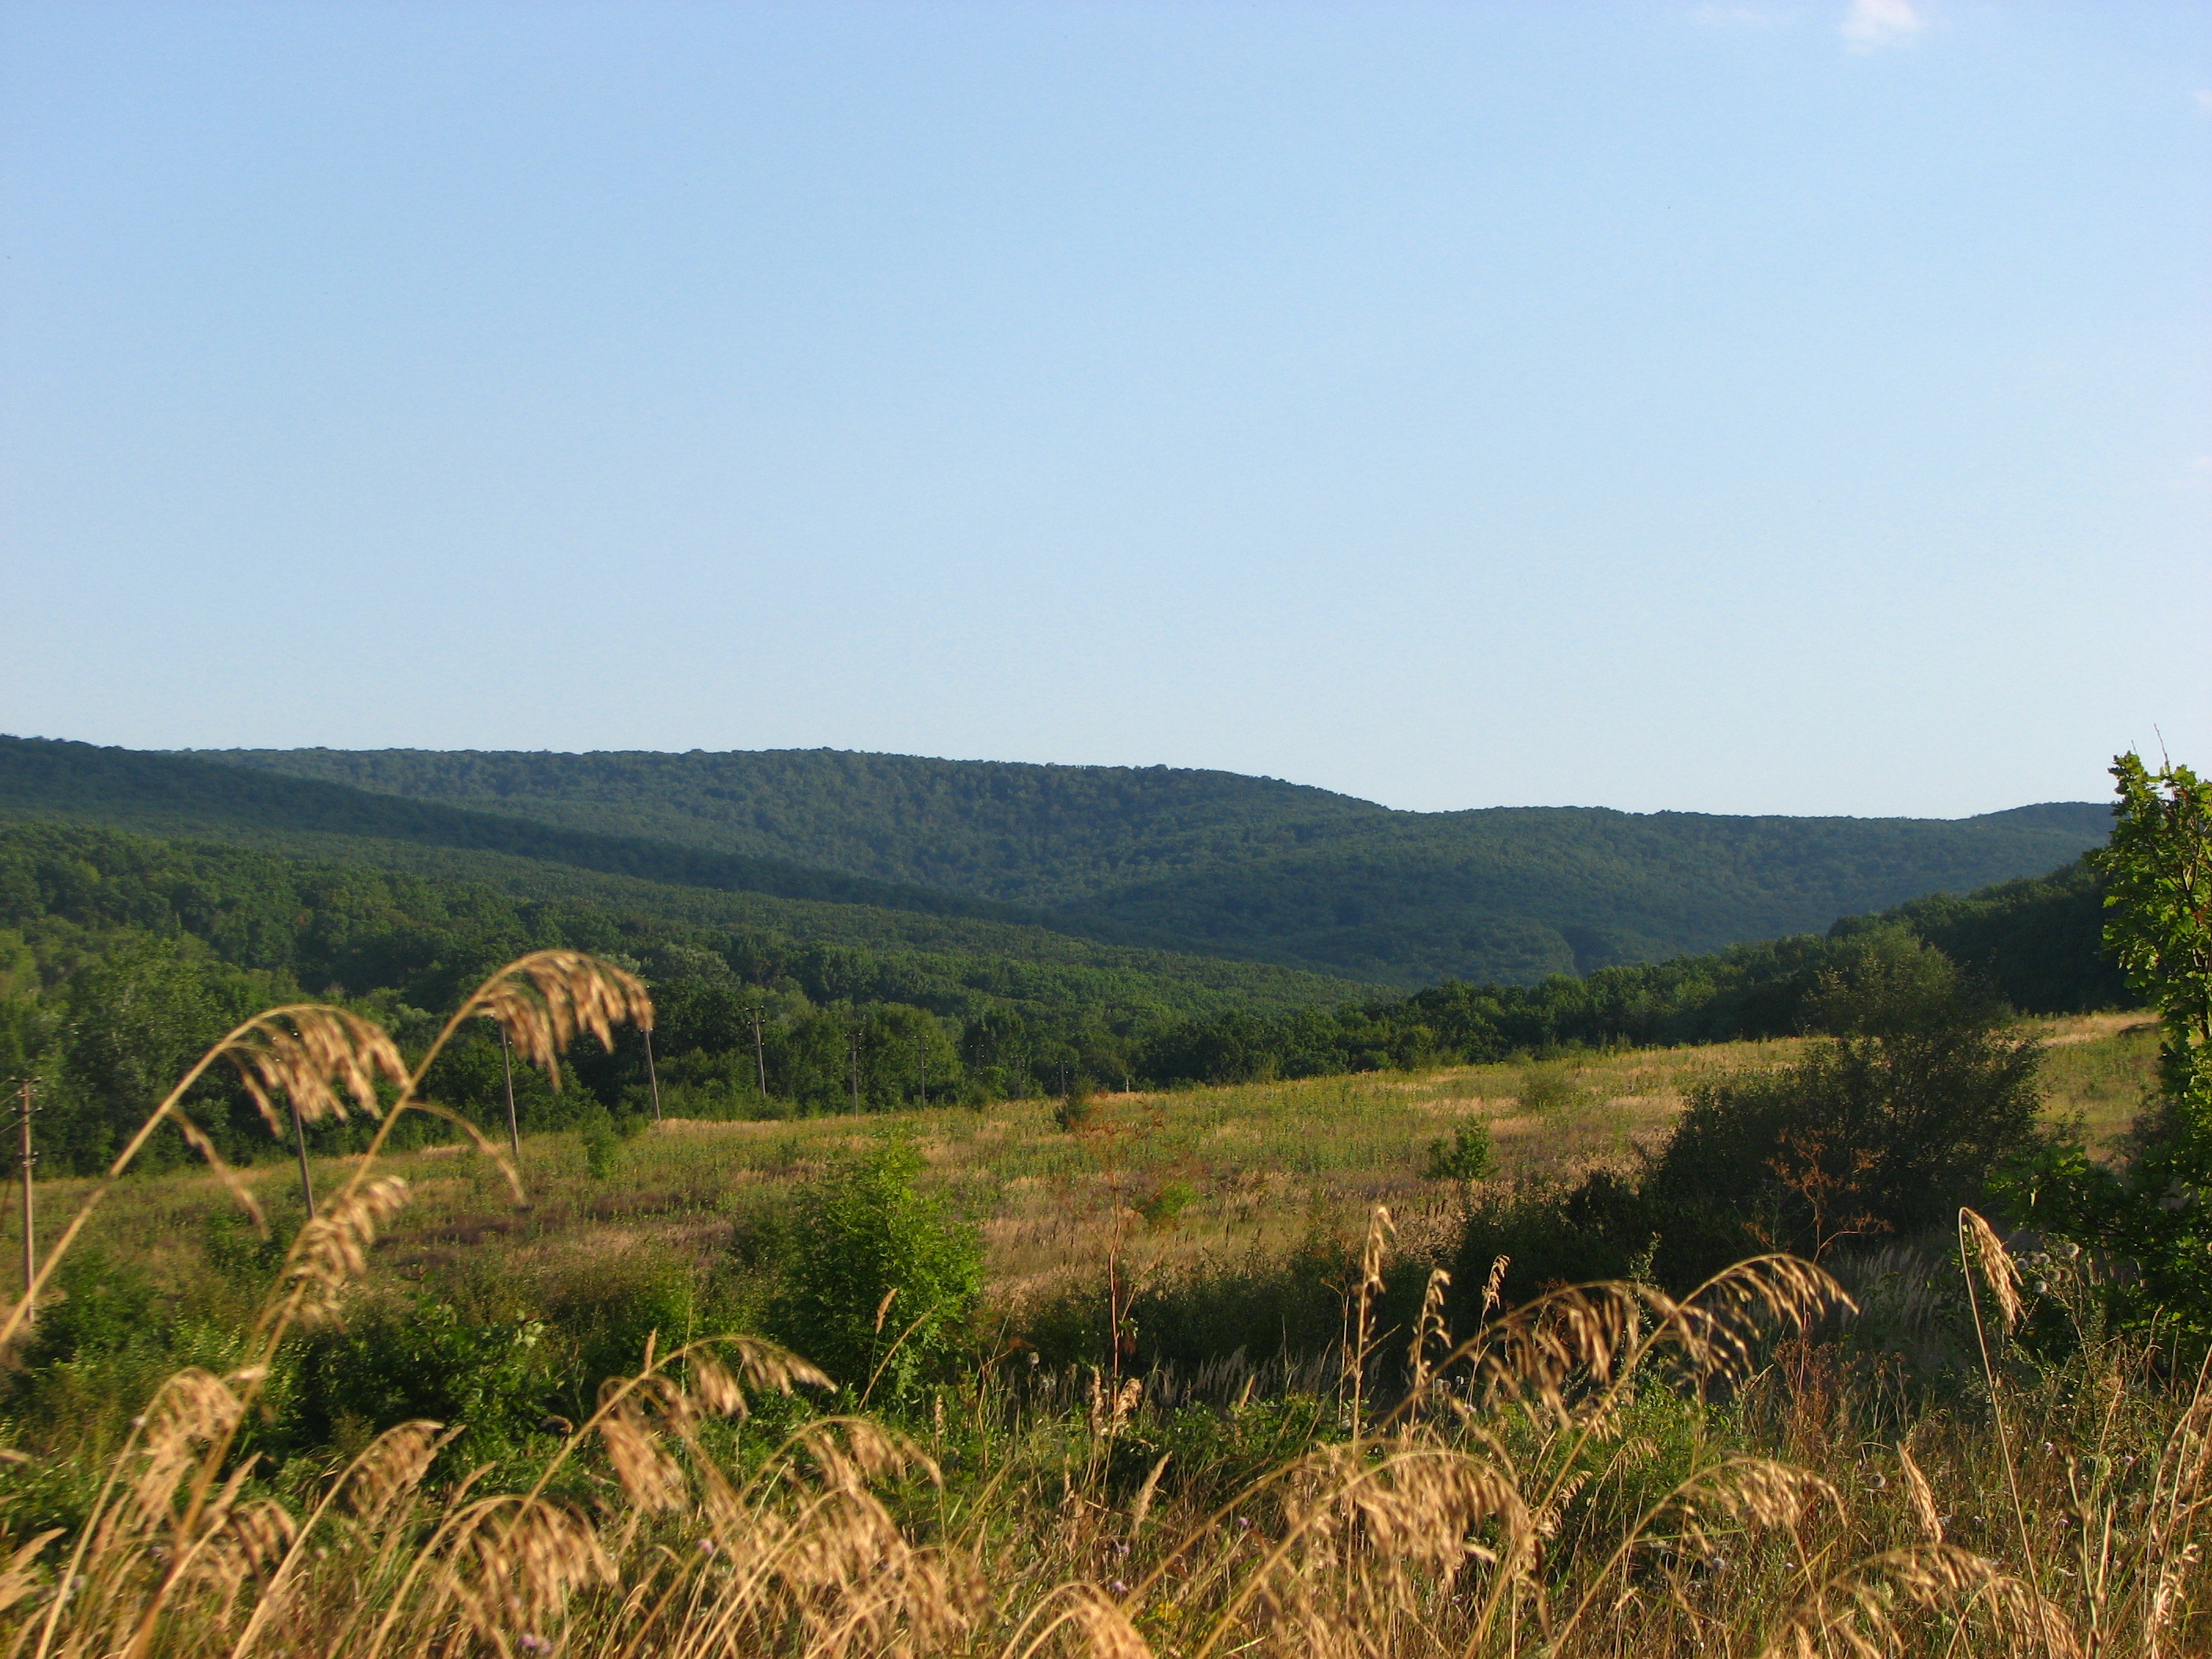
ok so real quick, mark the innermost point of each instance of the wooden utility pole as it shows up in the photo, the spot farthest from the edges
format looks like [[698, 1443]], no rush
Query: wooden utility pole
[[299, 1147], [30, 1234], [760, 1055], [856, 1067], [652, 1075], [506, 1071]]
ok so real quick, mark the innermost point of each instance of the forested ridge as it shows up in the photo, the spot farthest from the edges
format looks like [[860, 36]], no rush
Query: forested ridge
[[1249, 867], [167, 795]]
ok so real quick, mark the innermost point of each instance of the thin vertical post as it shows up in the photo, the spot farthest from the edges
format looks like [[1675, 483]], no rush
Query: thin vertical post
[[30, 1233], [506, 1071], [760, 1056], [922, 1071], [299, 1147], [652, 1074], [856, 1067]]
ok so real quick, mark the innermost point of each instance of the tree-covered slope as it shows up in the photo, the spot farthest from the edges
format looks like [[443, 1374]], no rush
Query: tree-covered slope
[[176, 794], [1038, 836], [1250, 867], [446, 851]]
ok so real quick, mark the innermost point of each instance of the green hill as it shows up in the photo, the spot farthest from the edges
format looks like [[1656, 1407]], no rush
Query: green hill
[[631, 884], [1253, 868]]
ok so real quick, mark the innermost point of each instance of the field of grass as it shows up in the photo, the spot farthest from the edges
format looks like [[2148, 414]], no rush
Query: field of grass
[[1601, 1475], [1180, 1179]]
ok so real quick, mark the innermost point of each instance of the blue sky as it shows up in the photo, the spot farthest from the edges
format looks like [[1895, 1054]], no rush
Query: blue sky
[[1799, 407]]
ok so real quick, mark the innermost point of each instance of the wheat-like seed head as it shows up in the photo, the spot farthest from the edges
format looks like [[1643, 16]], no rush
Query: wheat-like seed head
[[1142, 1505], [319, 1058], [650, 1478], [1999, 1271], [1381, 1230], [193, 1408], [332, 1250], [243, 1543], [1856, 1611], [764, 1365], [1429, 1328], [390, 1471], [546, 999], [712, 1387], [1105, 1629], [19, 1577], [1919, 1494], [513, 1564], [852, 1451], [1493, 1288], [233, 1184], [1758, 1492], [1532, 1354], [1713, 1335]]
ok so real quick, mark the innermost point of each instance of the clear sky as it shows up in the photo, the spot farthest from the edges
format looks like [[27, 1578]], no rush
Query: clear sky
[[1777, 407]]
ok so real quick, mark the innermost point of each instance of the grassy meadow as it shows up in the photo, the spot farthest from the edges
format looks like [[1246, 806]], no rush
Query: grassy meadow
[[1609, 1472], [1190, 1176]]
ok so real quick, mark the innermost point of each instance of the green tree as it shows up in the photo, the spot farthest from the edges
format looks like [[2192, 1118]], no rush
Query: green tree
[[1915, 1107], [880, 1279], [2158, 1212]]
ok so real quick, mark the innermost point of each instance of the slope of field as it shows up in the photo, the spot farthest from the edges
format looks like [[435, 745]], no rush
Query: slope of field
[[1249, 867], [1253, 1170]]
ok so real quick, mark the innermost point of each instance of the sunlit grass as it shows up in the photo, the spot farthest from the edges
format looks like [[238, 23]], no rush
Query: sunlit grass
[[1265, 1165]]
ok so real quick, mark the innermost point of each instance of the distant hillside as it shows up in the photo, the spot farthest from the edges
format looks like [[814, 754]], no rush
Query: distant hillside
[[944, 938], [178, 794], [1251, 868]]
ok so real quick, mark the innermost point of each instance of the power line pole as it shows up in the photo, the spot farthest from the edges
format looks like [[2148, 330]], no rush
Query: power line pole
[[856, 1067], [299, 1147], [506, 1071], [760, 1053], [652, 1074], [28, 1157]]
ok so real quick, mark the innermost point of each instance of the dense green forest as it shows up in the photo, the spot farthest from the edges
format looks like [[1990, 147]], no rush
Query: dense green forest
[[1247, 867], [122, 956], [167, 794]]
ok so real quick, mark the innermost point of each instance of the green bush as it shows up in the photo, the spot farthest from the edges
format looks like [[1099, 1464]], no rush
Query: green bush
[[393, 1363], [880, 1279], [1164, 1205], [1468, 1156], [1885, 1133], [1921, 1105], [602, 1144], [1549, 1086]]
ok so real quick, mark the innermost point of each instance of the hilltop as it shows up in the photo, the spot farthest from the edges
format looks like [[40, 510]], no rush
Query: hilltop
[[1219, 863]]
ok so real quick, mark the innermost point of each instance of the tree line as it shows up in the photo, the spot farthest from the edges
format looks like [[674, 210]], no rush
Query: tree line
[[123, 956]]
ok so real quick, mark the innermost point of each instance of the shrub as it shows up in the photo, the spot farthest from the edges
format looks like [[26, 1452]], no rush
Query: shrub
[[1165, 1203], [1863, 1135], [1921, 1105], [396, 1362], [1549, 1086], [1468, 1156], [602, 1144], [879, 1280], [2157, 1211]]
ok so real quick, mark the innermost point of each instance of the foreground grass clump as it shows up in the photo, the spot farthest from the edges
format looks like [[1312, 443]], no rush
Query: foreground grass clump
[[1603, 1470]]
